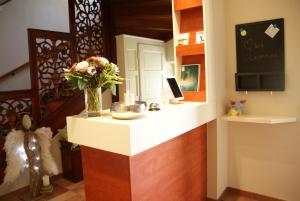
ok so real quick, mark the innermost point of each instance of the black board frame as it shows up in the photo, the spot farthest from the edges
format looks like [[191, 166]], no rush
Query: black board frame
[[266, 74]]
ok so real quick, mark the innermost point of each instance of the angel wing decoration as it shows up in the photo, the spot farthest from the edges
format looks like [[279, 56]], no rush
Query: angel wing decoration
[[16, 157], [48, 162]]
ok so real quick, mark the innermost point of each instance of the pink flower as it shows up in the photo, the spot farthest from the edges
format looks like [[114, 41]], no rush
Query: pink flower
[[232, 102]]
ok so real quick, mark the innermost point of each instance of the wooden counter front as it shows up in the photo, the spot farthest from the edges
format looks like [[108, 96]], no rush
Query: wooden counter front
[[172, 171]]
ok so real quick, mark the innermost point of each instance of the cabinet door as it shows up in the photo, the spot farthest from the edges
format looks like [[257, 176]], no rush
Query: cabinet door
[[152, 61]]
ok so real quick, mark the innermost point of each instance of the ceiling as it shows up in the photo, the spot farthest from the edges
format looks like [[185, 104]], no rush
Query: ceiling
[[147, 18]]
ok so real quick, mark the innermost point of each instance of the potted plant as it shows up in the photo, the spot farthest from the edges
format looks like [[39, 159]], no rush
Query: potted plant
[[93, 75], [71, 158]]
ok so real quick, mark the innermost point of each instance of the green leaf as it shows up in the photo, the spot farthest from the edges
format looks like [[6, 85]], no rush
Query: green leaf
[[113, 89], [81, 84], [73, 82]]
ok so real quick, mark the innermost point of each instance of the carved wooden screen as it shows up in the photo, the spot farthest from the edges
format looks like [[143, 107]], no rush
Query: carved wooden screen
[[87, 27], [50, 52], [13, 105]]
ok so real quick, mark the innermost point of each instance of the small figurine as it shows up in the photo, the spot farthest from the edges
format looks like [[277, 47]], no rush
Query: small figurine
[[236, 108]]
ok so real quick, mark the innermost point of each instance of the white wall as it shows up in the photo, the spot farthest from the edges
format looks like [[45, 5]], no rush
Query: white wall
[[265, 159], [15, 17], [217, 133], [21, 80]]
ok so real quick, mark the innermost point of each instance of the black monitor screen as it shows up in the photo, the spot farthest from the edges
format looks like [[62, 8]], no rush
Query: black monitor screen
[[174, 87]]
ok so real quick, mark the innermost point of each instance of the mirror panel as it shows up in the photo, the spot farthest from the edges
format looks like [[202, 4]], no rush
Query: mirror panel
[[145, 46]]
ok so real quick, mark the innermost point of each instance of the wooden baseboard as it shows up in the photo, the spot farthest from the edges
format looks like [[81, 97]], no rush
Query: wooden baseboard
[[231, 193]]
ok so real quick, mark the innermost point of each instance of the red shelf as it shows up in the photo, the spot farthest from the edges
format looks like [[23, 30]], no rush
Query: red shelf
[[191, 20], [188, 50], [199, 96], [186, 4], [190, 13]]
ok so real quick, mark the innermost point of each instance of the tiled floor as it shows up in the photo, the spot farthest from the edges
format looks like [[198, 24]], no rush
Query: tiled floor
[[64, 190]]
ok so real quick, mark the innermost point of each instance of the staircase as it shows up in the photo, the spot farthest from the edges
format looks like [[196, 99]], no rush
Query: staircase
[[50, 99]]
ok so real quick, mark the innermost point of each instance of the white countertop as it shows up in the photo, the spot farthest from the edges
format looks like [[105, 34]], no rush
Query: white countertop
[[130, 137]]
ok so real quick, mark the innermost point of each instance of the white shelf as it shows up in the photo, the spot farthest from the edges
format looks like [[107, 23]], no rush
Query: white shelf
[[260, 119]]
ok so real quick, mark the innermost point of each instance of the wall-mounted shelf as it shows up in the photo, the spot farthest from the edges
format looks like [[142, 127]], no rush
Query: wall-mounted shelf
[[188, 18], [188, 50], [273, 81], [260, 119], [191, 20], [186, 4]]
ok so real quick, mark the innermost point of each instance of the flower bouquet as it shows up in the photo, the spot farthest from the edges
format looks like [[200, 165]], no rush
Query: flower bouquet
[[92, 75]]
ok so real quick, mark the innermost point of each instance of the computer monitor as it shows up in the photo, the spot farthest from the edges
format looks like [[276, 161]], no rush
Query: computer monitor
[[175, 89]]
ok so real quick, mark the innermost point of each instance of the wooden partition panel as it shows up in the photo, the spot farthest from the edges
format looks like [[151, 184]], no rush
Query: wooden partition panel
[[172, 171]]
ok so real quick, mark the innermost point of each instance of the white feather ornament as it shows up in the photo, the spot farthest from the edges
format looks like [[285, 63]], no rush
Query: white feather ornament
[[44, 137], [15, 156]]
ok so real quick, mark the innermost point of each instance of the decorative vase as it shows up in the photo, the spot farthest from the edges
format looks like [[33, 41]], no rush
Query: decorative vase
[[93, 102]]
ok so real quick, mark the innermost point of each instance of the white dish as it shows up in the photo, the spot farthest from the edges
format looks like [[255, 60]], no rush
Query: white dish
[[127, 115]]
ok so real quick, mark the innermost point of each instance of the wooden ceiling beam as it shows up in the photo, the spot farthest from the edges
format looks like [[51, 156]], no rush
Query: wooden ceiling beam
[[143, 23], [141, 2], [134, 28], [146, 18], [148, 11]]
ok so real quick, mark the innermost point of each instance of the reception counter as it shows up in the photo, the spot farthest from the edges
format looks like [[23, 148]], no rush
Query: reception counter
[[158, 157]]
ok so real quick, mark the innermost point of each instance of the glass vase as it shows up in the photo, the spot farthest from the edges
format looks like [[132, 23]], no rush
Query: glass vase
[[93, 102]]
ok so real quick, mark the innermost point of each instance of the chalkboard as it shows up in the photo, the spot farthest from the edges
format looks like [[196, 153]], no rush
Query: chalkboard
[[260, 56]]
